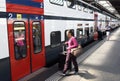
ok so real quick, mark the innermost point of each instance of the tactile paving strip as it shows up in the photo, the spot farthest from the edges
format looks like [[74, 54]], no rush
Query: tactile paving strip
[[55, 77]]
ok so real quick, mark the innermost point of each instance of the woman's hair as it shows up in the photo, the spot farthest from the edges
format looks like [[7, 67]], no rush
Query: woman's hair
[[71, 32]]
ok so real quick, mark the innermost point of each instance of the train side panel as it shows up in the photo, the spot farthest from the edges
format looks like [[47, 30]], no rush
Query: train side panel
[[4, 51]]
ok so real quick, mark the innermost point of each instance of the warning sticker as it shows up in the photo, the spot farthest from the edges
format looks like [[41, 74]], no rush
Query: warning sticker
[[19, 16]]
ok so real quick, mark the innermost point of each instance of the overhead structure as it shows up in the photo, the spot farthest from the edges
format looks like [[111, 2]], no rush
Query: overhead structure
[[110, 6], [116, 5], [106, 4]]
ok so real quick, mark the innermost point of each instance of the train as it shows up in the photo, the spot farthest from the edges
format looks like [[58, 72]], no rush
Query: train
[[33, 31]]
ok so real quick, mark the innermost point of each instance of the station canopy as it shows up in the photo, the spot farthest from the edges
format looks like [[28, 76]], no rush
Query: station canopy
[[113, 6]]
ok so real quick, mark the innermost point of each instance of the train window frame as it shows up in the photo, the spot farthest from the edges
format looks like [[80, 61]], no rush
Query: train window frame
[[70, 4], [40, 37], [58, 42], [25, 40], [57, 3], [66, 39]]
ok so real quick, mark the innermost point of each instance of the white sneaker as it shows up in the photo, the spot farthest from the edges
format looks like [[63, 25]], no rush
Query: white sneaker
[[63, 74]]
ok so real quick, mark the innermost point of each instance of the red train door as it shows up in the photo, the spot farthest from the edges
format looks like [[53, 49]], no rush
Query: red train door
[[96, 20], [37, 41], [26, 44], [19, 48], [95, 26]]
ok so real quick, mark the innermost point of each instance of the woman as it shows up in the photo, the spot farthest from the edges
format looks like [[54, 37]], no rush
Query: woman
[[72, 43]]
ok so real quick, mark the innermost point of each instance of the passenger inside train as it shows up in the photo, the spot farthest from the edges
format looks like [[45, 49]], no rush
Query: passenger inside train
[[19, 37]]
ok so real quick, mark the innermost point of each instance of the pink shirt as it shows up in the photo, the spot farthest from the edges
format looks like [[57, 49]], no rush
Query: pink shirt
[[20, 40], [72, 43]]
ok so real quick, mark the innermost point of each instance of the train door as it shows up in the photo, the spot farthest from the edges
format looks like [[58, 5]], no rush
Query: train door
[[26, 45], [19, 48], [96, 20], [37, 41], [95, 26]]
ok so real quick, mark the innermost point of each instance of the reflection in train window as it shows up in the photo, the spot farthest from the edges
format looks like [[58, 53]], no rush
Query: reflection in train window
[[66, 38], [55, 38], [37, 44], [19, 40], [71, 3], [79, 33], [79, 5]]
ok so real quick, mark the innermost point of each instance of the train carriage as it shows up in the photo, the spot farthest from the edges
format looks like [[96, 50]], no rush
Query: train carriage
[[32, 32]]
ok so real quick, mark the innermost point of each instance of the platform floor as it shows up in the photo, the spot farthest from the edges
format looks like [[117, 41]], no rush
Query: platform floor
[[102, 65]]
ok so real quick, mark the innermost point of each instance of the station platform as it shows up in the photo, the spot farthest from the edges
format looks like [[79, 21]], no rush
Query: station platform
[[100, 63]]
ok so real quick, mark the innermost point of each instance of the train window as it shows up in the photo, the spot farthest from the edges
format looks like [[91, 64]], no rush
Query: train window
[[79, 33], [87, 32], [92, 30], [57, 2], [20, 49], [66, 38], [79, 5], [90, 11], [55, 38], [37, 42], [71, 3], [85, 9]]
